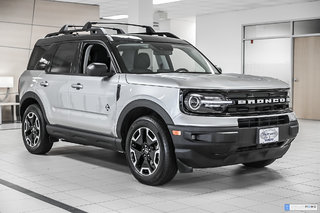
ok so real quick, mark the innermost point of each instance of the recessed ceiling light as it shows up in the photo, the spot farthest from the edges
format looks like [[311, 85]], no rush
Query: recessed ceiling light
[[115, 17], [164, 1]]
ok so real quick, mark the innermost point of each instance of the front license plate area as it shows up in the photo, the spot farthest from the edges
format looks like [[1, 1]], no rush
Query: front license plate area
[[269, 135]]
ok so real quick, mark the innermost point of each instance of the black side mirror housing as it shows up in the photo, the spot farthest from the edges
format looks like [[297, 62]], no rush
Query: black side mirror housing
[[98, 69]]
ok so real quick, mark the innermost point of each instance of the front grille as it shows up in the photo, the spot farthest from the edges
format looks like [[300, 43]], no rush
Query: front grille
[[260, 146], [263, 121], [255, 108]]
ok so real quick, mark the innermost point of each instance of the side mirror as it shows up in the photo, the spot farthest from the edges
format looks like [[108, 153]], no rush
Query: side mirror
[[98, 69]]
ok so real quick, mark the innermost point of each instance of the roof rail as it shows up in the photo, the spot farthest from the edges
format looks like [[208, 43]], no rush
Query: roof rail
[[88, 27], [93, 30], [166, 34], [149, 30], [66, 27]]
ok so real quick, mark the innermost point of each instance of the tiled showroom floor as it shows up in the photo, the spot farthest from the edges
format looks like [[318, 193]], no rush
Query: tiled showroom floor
[[96, 180]]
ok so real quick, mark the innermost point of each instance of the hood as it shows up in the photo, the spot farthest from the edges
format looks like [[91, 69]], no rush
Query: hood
[[206, 81]]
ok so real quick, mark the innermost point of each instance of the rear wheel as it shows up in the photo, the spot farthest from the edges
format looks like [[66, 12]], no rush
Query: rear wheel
[[260, 164], [150, 152], [35, 136]]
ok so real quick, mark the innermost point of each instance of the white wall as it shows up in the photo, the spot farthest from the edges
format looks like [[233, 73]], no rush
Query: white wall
[[219, 35], [184, 28]]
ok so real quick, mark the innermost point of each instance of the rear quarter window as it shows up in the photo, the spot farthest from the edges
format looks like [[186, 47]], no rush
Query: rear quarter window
[[37, 53]]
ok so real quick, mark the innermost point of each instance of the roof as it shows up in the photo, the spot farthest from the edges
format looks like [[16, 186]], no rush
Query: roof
[[145, 38], [99, 32]]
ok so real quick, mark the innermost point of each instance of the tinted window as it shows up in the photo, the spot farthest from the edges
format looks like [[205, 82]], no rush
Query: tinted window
[[63, 58], [163, 58], [95, 53], [307, 27], [37, 53]]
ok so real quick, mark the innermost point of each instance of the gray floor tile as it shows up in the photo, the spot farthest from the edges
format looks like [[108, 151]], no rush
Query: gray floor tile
[[98, 180]]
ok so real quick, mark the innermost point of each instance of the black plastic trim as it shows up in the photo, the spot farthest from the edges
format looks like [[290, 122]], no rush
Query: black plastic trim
[[202, 147], [146, 104], [84, 137], [118, 91], [34, 96]]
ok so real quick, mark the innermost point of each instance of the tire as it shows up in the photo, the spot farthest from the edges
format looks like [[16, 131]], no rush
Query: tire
[[34, 133], [150, 152], [259, 164]]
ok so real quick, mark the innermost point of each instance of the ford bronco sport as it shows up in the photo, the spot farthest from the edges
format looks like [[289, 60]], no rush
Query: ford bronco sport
[[152, 96]]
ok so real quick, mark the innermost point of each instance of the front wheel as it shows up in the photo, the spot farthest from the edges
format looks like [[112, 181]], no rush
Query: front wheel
[[150, 152], [260, 164], [35, 136]]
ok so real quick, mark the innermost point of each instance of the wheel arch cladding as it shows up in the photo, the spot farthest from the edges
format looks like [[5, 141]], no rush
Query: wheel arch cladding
[[28, 99], [136, 109]]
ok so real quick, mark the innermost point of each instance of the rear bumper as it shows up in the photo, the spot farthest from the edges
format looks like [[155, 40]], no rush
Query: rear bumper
[[201, 147]]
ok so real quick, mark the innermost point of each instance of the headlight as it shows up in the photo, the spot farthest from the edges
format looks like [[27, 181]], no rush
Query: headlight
[[205, 102]]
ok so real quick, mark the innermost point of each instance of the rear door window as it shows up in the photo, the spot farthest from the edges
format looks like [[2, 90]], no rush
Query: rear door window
[[64, 58]]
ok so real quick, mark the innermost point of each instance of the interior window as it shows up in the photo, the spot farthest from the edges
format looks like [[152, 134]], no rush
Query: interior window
[[152, 58], [148, 57], [95, 53], [63, 58]]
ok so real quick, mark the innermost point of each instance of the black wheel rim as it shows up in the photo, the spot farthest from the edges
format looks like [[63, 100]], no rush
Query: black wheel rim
[[32, 129], [144, 151]]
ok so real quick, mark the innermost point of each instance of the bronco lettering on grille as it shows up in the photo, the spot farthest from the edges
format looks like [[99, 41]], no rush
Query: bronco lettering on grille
[[263, 101]]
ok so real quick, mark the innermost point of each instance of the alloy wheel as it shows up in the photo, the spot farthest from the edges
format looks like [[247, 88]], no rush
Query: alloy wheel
[[32, 129], [145, 151]]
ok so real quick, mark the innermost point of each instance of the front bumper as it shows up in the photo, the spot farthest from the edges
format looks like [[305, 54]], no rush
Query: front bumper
[[201, 147]]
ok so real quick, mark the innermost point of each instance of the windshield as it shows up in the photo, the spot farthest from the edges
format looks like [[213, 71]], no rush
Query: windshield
[[150, 58]]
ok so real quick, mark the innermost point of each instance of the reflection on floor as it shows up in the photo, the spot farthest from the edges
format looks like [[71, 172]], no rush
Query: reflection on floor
[[98, 180], [9, 126]]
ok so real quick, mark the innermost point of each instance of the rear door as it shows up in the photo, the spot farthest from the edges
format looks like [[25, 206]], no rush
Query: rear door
[[54, 88], [93, 98]]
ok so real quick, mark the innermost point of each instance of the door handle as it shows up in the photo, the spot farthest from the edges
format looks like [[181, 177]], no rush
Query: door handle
[[44, 84], [295, 80], [77, 86]]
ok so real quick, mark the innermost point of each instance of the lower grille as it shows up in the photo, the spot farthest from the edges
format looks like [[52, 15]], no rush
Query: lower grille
[[263, 121], [260, 146]]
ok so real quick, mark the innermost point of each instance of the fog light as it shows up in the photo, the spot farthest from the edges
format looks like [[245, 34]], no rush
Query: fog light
[[176, 132]]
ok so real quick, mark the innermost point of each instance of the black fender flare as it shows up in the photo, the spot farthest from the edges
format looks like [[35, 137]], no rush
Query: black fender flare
[[34, 96], [145, 104]]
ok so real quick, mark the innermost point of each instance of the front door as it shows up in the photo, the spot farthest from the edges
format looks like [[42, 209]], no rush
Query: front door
[[93, 98], [307, 77]]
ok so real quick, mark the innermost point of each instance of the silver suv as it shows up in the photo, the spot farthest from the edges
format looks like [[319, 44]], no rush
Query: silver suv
[[152, 96]]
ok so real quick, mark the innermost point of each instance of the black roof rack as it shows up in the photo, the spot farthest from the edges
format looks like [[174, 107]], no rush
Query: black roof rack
[[88, 27], [65, 30], [66, 27], [149, 30]]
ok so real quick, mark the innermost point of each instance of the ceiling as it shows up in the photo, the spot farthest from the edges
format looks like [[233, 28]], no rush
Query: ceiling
[[187, 8]]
